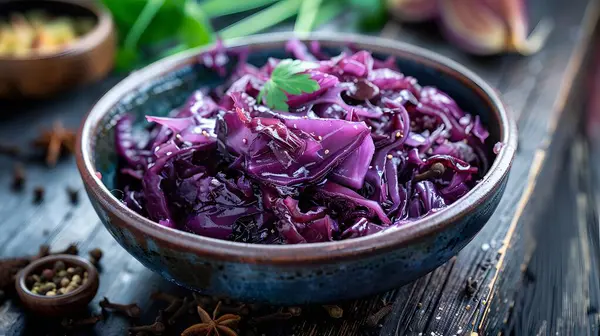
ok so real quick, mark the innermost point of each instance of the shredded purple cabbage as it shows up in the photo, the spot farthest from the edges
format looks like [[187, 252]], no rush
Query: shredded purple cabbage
[[370, 150]]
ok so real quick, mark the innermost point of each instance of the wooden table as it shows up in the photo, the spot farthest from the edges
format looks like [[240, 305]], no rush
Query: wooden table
[[535, 263]]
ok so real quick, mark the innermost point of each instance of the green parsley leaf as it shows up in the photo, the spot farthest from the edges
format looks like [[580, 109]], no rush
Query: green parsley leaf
[[287, 77]]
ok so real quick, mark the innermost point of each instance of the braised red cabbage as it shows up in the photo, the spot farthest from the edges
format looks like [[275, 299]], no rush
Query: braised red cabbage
[[369, 150]]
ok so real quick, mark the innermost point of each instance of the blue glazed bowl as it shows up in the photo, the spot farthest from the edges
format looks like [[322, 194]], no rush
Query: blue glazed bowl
[[291, 274]]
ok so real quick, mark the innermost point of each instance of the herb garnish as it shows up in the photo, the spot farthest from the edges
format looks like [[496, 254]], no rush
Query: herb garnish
[[287, 77]]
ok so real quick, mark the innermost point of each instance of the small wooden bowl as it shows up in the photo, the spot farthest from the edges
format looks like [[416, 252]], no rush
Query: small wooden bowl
[[59, 305], [90, 58]]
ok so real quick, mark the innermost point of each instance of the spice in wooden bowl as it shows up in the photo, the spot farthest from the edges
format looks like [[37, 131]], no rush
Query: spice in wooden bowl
[[39, 32], [58, 280], [57, 285], [48, 46]]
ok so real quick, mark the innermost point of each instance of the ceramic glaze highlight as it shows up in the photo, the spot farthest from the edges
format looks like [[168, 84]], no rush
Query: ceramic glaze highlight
[[309, 273]]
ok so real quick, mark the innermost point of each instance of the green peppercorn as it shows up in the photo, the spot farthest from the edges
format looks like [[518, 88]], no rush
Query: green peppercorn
[[62, 273], [64, 282], [51, 293], [76, 279], [59, 266], [29, 281], [70, 271], [44, 289]]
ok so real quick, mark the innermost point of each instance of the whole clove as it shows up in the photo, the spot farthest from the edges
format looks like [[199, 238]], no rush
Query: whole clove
[[173, 301], [43, 251], [156, 328], [18, 177], [277, 316], [202, 300], [95, 256], [334, 311], [374, 319], [130, 310], [471, 287], [71, 249], [436, 170], [9, 268], [38, 194], [180, 312], [242, 310], [162, 296], [10, 150], [73, 195], [69, 323]]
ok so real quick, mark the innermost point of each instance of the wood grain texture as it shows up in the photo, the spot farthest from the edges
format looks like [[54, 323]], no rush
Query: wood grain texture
[[559, 294], [536, 89]]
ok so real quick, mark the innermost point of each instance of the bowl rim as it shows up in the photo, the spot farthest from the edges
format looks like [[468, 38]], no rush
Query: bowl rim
[[325, 252], [101, 31], [70, 259]]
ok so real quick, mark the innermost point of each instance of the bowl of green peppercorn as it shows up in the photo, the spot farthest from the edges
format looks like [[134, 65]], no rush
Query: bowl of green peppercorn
[[57, 285]]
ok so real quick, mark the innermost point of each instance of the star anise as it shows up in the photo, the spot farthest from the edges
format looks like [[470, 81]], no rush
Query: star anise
[[222, 326], [55, 141]]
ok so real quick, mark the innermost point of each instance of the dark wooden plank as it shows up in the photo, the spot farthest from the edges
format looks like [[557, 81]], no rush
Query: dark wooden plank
[[572, 104], [559, 292], [538, 111]]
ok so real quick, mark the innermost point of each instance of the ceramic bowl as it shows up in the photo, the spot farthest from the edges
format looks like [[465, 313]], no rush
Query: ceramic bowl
[[60, 305], [88, 59], [292, 274]]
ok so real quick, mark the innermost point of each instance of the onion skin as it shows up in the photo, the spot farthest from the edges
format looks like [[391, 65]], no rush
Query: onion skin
[[480, 27], [413, 10], [473, 26], [592, 126]]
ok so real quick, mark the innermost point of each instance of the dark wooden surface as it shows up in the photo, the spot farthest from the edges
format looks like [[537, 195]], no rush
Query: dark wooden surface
[[535, 262]]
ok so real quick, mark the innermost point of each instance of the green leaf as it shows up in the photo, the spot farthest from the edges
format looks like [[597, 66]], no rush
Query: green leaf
[[214, 8], [141, 24], [288, 67], [162, 25], [298, 84], [149, 25], [195, 30], [126, 59], [171, 51], [329, 11], [287, 77], [307, 15], [264, 19], [373, 20], [367, 5], [277, 99]]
